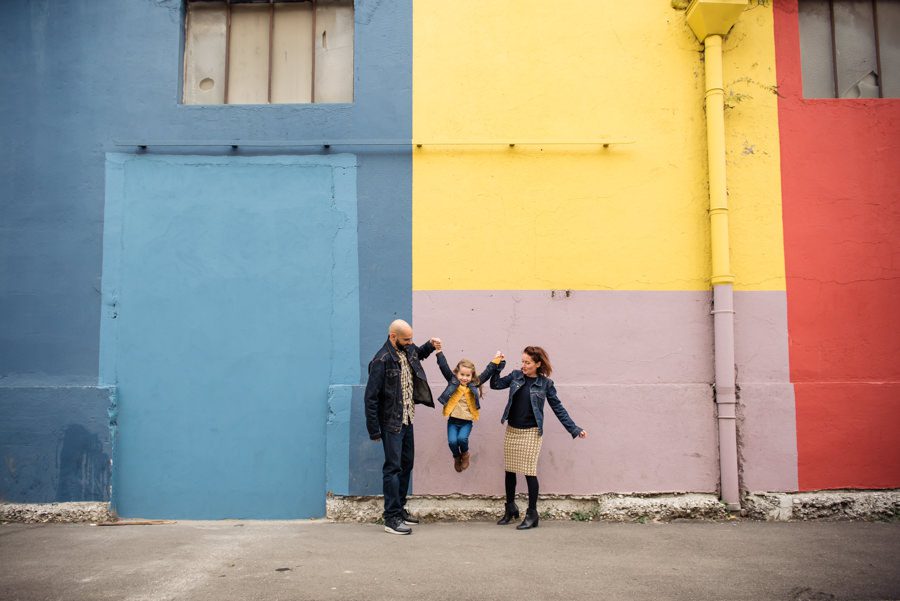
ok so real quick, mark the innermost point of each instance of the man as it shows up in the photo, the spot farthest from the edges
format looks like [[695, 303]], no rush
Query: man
[[396, 385]]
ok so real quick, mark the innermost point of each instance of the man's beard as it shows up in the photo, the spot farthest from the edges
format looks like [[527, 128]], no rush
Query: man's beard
[[401, 346]]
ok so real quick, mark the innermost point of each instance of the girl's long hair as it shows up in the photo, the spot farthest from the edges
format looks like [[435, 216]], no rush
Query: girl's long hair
[[471, 366], [539, 355]]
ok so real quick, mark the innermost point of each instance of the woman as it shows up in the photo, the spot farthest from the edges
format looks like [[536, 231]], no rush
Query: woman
[[528, 387]]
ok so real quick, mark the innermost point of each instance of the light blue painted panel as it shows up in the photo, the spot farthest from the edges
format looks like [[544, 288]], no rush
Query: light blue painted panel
[[230, 301]]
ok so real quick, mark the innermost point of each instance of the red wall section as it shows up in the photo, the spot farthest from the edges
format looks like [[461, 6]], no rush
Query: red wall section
[[848, 434], [841, 200]]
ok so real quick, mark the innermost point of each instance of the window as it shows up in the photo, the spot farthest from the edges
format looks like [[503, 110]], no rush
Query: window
[[850, 48], [265, 52]]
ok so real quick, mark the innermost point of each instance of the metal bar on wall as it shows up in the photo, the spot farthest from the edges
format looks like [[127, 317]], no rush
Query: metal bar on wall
[[370, 142], [526, 142]]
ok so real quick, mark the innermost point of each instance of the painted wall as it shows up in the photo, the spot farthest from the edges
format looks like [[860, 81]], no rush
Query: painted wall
[[841, 218], [87, 75], [225, 282], [599, 255], [496, 230], [55, 455]]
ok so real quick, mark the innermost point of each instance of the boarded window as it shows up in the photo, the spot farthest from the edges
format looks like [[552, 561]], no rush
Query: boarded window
[[850, 48], [268, 52]]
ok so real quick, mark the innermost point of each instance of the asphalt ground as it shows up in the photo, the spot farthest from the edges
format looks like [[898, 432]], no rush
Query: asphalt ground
[[298, 560]]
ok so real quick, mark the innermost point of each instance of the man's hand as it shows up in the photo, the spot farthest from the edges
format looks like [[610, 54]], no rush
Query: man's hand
[[376, 439], [437, 344], [582, 434]]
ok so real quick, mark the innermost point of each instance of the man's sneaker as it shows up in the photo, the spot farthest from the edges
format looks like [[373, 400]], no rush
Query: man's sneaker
[[396, 526], [407, 518]]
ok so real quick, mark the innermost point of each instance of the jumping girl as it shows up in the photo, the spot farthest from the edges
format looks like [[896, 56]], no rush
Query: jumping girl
[[462, 401]]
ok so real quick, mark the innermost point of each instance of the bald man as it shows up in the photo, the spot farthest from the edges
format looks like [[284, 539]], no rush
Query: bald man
[[396, 385]]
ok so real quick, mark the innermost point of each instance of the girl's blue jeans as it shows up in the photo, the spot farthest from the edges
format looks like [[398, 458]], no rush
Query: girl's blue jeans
[[458, 435]]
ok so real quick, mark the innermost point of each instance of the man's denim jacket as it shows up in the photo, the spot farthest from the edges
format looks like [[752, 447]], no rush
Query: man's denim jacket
[[383, 398]]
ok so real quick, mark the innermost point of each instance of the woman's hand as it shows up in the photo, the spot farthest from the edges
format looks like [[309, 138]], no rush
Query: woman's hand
[[582, 434], [438, 347], [500, 356]]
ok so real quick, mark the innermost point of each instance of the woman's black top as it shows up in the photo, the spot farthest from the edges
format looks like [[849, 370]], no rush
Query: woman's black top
[[521, 414]]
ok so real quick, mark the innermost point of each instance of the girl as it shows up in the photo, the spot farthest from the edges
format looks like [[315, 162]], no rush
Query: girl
[[462, 401], [528, 387]]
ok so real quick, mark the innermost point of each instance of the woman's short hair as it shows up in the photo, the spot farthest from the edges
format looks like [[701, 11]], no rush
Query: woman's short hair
[[539, 355]]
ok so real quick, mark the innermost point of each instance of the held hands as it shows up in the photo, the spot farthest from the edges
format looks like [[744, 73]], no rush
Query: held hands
[[500, 356], [437, 344]]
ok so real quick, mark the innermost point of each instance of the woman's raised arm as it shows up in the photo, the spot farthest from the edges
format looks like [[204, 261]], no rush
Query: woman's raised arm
[[498, 382]]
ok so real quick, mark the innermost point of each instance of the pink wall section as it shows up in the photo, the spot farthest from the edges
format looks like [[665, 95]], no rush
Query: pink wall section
[[592, 337], [634, 369], [641, 439], [767, 426]]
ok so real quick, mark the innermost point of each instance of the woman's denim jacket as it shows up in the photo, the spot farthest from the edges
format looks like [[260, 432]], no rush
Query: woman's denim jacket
[[541, 390], [453, 381]]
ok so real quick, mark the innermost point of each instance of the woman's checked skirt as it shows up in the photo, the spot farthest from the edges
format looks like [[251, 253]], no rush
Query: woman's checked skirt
[[521, 449]]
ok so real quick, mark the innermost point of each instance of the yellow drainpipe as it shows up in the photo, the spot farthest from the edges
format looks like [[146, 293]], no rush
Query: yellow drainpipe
[[715, 143], [710, 20]]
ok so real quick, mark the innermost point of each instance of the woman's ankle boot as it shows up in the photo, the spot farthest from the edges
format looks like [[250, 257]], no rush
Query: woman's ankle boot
[[530, 521], [512, 513]]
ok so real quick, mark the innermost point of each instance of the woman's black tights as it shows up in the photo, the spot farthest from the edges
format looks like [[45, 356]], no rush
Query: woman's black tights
[[532, 489]]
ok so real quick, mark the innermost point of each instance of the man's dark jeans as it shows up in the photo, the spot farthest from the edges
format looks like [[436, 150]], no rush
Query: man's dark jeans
[[399, 452]]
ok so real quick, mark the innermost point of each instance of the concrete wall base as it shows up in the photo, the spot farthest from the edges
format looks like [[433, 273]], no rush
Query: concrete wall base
[[625, 508], [823, 505], [38, 513], [765, 506]]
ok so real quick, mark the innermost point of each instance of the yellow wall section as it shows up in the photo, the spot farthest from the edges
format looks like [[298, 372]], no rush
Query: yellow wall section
[[631, 217]]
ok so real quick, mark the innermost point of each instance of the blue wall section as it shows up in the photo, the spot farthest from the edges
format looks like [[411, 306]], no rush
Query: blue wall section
[[80, 76], [231, 302], [354, 462], [53, 455]]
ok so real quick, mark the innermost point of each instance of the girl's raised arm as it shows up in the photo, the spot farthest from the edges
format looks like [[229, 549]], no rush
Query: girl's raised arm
[[445, 368], [493, 366]]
